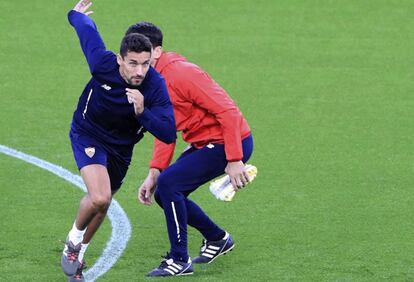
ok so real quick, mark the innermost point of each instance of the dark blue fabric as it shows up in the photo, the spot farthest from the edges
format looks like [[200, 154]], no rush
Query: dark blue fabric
[[194, 168], [103, 110], [116, 160]]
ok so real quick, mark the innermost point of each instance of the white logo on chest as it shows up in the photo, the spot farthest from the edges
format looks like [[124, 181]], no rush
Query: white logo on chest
[[106, 87]]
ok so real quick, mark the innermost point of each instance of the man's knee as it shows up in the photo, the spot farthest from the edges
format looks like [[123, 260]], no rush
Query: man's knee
[[101, 201], [165, 187]]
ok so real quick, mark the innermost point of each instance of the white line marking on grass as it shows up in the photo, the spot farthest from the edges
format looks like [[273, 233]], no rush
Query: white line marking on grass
[[121, 227]]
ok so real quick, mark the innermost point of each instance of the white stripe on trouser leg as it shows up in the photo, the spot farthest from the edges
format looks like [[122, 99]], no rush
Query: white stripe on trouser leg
[[176, 221]]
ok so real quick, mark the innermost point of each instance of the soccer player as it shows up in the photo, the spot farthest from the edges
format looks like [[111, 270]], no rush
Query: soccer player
[[124, 98], [221, 142]]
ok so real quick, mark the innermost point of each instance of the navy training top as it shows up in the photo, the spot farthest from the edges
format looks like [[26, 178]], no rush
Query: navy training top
[[103, 110]]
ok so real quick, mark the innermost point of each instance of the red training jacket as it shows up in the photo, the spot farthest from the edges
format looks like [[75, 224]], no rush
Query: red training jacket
[[203, 111]]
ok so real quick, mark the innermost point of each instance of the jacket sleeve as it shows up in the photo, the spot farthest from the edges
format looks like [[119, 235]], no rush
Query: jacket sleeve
[[162, 154], [158, 116], [91, 42], [207, 94]]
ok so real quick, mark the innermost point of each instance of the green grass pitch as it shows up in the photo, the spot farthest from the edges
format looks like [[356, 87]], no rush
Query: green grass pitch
[[327, 87]]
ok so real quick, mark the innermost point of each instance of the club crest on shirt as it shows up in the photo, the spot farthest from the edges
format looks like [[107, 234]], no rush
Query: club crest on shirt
[[90, 151]]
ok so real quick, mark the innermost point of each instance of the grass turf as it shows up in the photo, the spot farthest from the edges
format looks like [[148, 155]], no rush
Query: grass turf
[[327, 89]]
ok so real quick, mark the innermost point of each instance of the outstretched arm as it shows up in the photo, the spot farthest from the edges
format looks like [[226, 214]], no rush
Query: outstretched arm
[[91, 42]]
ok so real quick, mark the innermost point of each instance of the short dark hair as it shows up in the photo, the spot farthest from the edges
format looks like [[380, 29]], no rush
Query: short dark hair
[[135, 42], [150, 30]]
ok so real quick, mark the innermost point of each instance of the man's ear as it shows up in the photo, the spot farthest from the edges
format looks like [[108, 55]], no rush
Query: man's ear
[[119, 59], [157, 52]]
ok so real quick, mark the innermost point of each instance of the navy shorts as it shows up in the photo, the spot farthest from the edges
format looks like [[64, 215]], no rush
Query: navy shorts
[[87, 150]]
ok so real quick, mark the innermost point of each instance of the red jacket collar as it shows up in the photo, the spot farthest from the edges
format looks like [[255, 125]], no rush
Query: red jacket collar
[[167, 58]]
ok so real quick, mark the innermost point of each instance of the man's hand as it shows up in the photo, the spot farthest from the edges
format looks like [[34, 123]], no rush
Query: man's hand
[[135, 97], [83, 6], [237, 174], [148, 187]]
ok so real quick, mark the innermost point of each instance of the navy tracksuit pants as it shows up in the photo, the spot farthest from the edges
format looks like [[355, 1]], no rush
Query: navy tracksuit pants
[[192, 169]]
